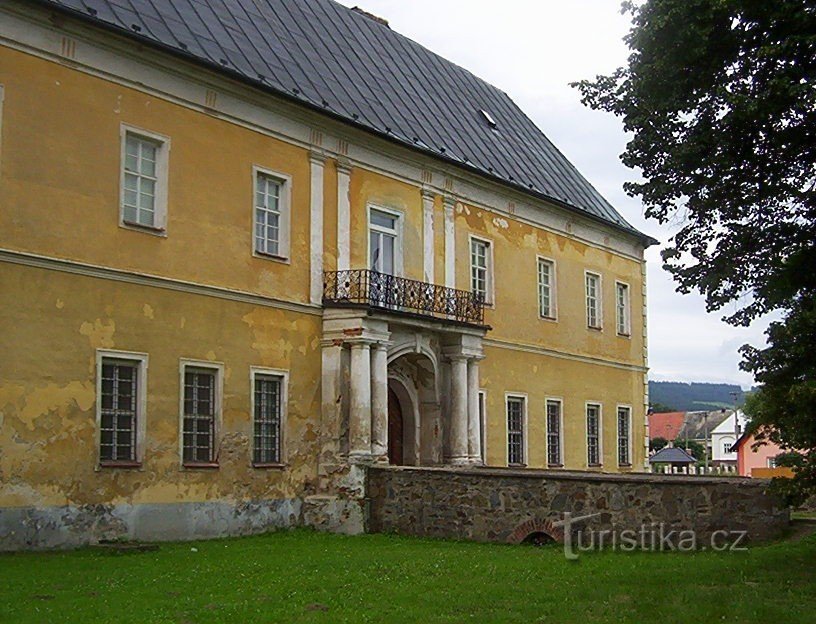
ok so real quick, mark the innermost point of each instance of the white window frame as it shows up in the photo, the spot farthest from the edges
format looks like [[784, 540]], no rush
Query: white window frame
[[560, 402], [627, 311], [617, 435], [159, 226], [254, 371], [599, 405], [598, 300], [489, 269], [141, 359], [483, 422], [284, 209], [218, 368], [524, 430], [399, 225], [553, 316]]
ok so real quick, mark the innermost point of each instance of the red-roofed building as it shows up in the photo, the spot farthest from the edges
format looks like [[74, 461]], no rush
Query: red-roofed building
[[666, 425]]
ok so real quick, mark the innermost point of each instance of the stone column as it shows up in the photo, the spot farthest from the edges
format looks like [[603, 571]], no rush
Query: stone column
[[343, 217], [474, 429], [360, 400], [331, 412], [459, 410], [316, 229], [379, 402], [428, 236]]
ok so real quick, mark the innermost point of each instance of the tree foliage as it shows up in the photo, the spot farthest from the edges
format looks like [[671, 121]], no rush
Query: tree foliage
[[720, 99], [655, 444]]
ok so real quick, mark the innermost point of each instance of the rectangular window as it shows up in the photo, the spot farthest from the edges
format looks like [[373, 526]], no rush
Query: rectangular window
[[546, 288], [480, 269], [119, 411], [593, 300], [515, 431], [624, 435], [593, 431], [554, 433], [200, 411], [383, 233], [268, 403], [267, 215], [622, 308], [144, 179]]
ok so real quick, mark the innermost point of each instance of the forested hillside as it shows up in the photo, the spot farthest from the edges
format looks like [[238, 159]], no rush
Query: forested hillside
[[688, 397]]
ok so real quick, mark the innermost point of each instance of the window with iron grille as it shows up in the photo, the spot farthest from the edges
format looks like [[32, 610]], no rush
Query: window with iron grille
[[622, 308], [546, 288], [268, 215], [267, 434], [119, 397], [199, 415], [593, 429], [143, 175], [593, 300], [554, 432], [480, 268], [624, 425], [515, 430]]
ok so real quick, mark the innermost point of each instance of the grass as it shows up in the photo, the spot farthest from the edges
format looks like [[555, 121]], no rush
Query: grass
[[301, 576]]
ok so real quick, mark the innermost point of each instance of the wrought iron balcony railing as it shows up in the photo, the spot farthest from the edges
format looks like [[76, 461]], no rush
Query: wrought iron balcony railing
[[388, 292]]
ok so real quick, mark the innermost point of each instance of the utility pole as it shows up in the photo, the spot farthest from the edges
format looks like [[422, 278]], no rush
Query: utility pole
[[705, 429], [737, 434]]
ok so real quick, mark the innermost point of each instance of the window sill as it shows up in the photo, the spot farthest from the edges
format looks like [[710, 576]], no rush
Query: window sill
[[268, 256], [624, 465], [596, 328], [516, 465], [555, 466], [269, 466], [620, 335], [146, 229], [120, 464], [595, 466], [200, 466], [551, 319]]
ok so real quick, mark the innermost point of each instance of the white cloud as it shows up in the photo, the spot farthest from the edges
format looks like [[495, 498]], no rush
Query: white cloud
[[533, 49]]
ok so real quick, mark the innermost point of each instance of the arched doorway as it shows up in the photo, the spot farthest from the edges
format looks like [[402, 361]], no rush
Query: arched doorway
[[395, 430]]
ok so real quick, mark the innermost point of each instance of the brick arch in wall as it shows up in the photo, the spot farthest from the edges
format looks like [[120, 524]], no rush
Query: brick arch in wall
[[535, 526]]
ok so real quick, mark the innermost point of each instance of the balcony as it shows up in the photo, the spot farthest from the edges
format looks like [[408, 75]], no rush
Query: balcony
[[380, 291]]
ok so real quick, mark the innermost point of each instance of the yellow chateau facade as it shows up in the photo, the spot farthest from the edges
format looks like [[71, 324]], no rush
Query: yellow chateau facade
[[217, 303]]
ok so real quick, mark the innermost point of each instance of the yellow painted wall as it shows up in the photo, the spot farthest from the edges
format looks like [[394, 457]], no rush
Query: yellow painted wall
[[47, 398], [61, 163]]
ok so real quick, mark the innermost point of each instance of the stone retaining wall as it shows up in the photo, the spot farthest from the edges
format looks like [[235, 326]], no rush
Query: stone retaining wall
[[502, 505]]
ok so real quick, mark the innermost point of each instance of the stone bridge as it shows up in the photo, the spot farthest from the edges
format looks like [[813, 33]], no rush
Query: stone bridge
[[511, 506]]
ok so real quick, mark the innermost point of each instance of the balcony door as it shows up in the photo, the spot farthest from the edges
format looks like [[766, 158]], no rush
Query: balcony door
[[383, 233]]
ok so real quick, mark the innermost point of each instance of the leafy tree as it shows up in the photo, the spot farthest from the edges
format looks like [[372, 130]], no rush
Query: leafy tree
[[695, 449], [660, 408], [720, 99], [655, 444]]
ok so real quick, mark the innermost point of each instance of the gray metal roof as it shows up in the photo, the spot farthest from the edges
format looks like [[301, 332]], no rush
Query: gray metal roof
[[671, 455], [345, 64]]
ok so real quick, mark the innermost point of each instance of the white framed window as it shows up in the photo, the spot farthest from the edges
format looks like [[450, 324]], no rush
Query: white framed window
[[594, 311], [271, 213], [771, 462], [593, 434], [546, 288], [384, 240], [481, 268], [624, 435], [483, 423], [622, 310], [516, 408], [121, 407], [269, 403], [200, 417], [144, 179], [726, 446], [555, 441]]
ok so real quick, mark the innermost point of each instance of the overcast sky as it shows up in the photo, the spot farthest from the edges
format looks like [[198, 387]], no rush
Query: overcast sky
[[533, 49]]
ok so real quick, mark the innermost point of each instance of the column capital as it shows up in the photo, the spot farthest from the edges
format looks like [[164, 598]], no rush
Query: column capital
[[449, 202], [428, 194], [317, 158], [459, 352], [343, 166]]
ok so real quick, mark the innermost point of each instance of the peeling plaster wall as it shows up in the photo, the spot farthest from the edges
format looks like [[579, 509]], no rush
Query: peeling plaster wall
[[48, 454]]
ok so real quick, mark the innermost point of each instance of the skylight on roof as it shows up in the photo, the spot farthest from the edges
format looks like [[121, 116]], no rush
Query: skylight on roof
[[488, 117]]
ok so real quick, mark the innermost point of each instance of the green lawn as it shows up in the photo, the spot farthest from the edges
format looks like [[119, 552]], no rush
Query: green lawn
[[301, 576]]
